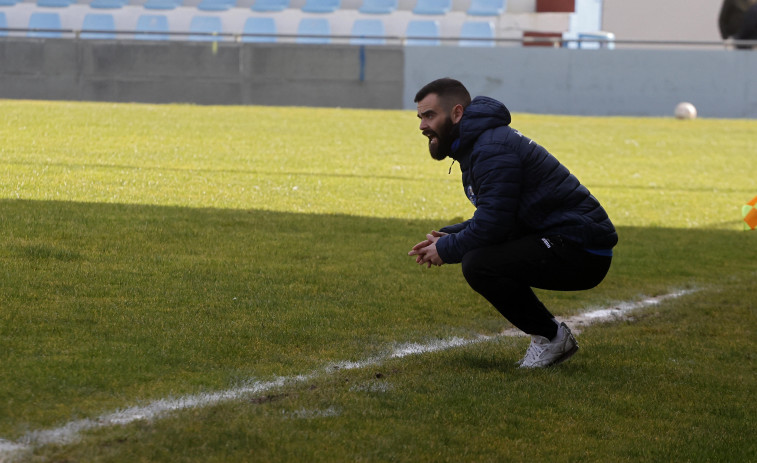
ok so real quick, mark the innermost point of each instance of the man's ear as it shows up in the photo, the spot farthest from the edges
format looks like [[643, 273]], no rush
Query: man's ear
[[457, 113]]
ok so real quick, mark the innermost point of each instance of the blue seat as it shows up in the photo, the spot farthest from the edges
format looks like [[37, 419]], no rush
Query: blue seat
[[321, 6], [8, 2], [486, 7], [45, 21], [3, 24], [318, 27], [107, 4], [432, 7], [98, 22], [54, 3], [270, 5], [152, 27], [201, 26], [477, 30], [216, 5], [378, 6], [259, 26], [422, 33], [368, 32], [162, 4]]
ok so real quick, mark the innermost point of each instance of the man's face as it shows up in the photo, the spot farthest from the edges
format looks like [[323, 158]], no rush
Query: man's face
[[436, 124]]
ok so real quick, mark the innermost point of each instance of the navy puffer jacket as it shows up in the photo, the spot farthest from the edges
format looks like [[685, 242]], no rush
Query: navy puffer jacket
[[518, 188]]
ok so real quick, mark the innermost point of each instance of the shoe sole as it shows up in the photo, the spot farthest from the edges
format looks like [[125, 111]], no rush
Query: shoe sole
[[558, 361], [565, 356], [570, 352]]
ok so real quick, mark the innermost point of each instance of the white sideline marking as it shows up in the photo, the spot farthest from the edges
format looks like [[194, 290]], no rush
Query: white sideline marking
[[620, 311], [69, 432]]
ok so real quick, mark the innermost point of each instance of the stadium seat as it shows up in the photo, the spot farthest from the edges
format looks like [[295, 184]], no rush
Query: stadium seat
[[378, 6], [98, 22], [257, 25], [270, 5], [368, 32], [534, 39], [486, 7], [200, 26], [162, 4], [432, 7], [321, 6], [422, 33], [314, 26], [8, 2], [216, 5], [157, 24], [3, 24], [54, 3], [477, 30], [45, 21], [107, 4]]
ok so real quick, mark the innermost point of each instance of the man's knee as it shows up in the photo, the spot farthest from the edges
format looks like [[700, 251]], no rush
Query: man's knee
[[472, 267]]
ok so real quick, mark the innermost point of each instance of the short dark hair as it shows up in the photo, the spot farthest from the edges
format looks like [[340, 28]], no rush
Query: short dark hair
[[450, 91]]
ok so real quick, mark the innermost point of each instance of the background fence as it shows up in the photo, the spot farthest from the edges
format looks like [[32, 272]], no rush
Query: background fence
[[719, 82]]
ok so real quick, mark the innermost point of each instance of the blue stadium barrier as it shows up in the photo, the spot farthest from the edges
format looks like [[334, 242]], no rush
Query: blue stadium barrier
[[98, 22], [477, 30], [314, 26], [321, 6], [208, 24], [44, 21], [216, 5], [378, 6], [54, 3], [162, 4], [152, 23], [259, 26], [368, 32], [486, 7], [422, 32], [3, 24], [107, 4], [432, 7], [270, 5]]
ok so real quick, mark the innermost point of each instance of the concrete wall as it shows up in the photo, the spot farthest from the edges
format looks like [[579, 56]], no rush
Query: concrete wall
[[662, 19], [232, 73], [720, 83], [532, 79]]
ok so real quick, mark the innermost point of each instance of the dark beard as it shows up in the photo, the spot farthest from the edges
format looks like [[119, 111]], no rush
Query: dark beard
[[443, 147]]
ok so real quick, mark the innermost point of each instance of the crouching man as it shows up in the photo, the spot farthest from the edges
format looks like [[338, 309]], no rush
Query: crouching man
[[535, 225]]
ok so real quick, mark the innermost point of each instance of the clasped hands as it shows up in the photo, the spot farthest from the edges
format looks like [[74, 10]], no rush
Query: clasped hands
[[425, 251]]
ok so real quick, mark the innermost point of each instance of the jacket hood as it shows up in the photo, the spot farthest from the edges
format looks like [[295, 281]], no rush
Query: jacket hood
[[483, 113]]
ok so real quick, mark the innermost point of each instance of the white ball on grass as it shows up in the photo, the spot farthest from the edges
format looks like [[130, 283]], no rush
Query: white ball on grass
[[685, 110]]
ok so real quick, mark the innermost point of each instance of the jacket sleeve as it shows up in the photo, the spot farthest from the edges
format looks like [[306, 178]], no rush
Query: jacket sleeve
[[455, 228], [497, 174]]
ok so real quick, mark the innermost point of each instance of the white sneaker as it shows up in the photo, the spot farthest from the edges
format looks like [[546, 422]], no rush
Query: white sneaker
[[542, 352]]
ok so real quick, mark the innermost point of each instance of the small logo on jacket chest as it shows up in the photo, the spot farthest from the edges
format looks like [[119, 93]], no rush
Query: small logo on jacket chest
[[470, 194]]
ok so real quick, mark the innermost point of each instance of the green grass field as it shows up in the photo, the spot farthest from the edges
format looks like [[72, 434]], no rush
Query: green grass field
[[156, 252]]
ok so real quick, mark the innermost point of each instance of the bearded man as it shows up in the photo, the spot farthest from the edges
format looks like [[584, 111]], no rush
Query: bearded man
[[535, 225]]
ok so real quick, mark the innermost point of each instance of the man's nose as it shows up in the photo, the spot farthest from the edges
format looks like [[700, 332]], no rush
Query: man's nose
[[423, 125]]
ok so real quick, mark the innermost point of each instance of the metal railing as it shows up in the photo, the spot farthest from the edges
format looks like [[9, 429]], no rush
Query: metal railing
[[227, 37]]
